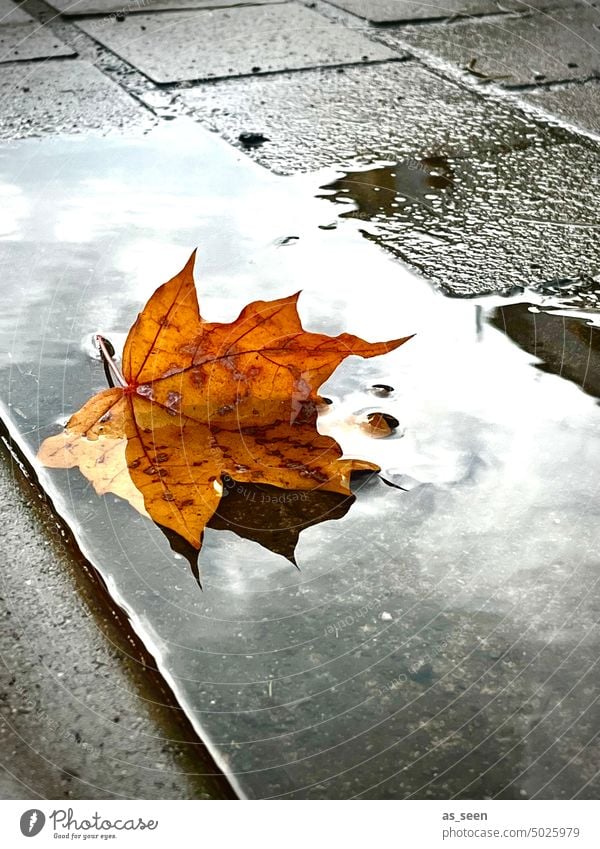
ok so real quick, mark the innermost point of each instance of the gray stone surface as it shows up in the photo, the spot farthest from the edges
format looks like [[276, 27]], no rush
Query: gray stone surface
[[387, 111], [12, 14], [204, 44], [390, 11], [63, 97], [22, 41], [577, 104], [489, 199], [22, 37], [523, 50], [518, 218], [92, 7], [82, 715]]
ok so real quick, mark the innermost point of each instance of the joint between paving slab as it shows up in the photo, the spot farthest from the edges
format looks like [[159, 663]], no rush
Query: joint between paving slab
[[186, 84], [449, 21], [138, 85], [490, 89], [550, 84], [107, 62]]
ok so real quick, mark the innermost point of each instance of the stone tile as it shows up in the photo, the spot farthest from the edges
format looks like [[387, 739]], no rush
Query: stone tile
[[387, 111], [577, 104], [524, 50], [397, 11], [469, 191], [12, 14], [100, 7], [198, 45], [23, 38], [518, 218], [63, 97], [111, 704]]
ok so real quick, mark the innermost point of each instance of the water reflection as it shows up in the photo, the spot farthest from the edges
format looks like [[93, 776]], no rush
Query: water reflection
[[566, 346], [383, 192], [437, 641], [272, 517]]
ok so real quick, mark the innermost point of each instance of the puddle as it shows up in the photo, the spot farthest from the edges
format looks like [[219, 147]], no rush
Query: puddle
[[468, 223], [437, 636], [394, 190], [562, 345]]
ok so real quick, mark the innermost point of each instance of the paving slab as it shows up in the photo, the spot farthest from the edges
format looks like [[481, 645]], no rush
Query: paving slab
[[398, 11], [523, 50], [63, 97], [577, 104], [433, 643], [522, 218], [178, 46], [22, 38], [393, 110], [12, 14], [128, 7], [470, 191], [77, 693]]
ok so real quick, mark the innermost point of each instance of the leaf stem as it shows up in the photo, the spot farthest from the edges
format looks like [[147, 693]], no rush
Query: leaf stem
[[114, 369]]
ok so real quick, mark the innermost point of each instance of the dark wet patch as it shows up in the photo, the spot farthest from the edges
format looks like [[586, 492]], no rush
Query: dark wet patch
[[284, 241], [566, 346], [391, 421], [392, 190], [252, 140]]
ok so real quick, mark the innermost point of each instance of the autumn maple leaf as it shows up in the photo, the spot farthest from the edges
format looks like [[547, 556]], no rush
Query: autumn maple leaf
[[200, 401]]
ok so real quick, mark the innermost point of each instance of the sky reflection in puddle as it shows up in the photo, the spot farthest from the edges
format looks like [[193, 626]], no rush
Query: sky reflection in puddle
[[436, 640]]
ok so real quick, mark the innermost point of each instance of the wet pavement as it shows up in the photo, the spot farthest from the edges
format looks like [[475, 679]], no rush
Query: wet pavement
[[73, 8], [556, 46], [510, 202], [398, 11], [256, 40], [577, 105], [66, 97], [437, 636], [22, 38], [436, 640], [83, 712]]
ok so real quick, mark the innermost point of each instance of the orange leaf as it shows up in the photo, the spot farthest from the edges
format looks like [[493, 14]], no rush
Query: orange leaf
[[200, 401]]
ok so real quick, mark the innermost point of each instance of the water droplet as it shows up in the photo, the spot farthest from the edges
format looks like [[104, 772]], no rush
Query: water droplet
[[381, 389], [391, 421], [89, 346]]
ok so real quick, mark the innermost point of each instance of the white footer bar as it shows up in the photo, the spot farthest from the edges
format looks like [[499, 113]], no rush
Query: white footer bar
[[302, 824]]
